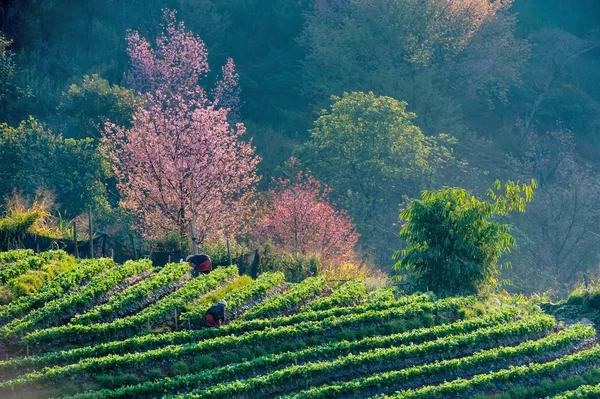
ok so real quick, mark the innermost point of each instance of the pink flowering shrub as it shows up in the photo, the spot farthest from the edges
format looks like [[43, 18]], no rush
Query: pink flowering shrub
[[182, 160], [298, 218]]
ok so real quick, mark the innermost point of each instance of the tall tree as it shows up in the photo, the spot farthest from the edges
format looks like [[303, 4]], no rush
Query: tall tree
[[561, 231], [454, 243], [367, 149], [181, 161], [34, 159]]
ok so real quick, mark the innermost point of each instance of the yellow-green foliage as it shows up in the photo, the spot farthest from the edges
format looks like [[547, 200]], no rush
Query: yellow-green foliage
[[214, 297], [587, 296], [18, 220], [33, 279]]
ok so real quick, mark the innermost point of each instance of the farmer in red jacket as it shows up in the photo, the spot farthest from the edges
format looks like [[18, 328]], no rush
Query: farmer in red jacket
[[215, 315], [199, 264]]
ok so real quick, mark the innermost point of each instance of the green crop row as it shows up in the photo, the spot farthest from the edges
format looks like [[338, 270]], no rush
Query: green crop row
[[233, 371], [348, 294], [14, 255], [107, 331], [352, 363], [278, 304], [68, 305], [136, 296], [512, 374], [231, 342], [257, 288], [180, 337], [33, 279], [33, 262], [56, 288], [583, 392], [161, 310]]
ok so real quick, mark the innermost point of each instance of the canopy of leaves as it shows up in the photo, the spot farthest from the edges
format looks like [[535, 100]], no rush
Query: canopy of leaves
[[367, 149], [35, 159], [454, 242]]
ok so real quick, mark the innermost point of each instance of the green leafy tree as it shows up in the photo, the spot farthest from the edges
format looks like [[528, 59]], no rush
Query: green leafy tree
[[454, 241], [87, 106], [367, 149], [412, 49], [10, 92], [36, 159]]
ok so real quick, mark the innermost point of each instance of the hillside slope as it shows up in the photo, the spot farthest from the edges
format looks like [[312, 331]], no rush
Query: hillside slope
[[134, 331]]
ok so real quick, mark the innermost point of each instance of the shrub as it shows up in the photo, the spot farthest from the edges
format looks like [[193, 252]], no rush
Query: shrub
[[296, 267], [179, 368], [453, 240]]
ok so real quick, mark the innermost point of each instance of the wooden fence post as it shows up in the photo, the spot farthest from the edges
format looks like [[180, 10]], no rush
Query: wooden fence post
[[91, 226], [135, 256], [175, 314], [148, 324], [75, 239], [112, 254], [27, 350]]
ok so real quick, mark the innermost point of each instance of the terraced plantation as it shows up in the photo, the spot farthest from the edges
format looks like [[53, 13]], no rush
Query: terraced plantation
[[95, 329]]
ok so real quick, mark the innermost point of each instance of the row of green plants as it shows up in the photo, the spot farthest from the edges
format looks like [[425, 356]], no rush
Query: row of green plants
[[53, 289], [279, 304], [513, 375], [30, 281], [108, 330], [237, 298], [548, 387], [324, 351], [180, 337], [14, 255], [584, 391], [11, 270], [161, 311], [211, 299], [135, 297], [348, 294], [378, 358], [392, 380], [109, 356], [66, 306]]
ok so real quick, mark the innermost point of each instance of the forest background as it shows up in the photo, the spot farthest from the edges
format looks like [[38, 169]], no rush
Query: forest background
[[492, 90]]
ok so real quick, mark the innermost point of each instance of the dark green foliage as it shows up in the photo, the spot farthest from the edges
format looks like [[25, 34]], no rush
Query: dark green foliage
[[153, 374], [179, 368], [10, 92], [34, 159], [453, 241], [201, 363], [86, 107]]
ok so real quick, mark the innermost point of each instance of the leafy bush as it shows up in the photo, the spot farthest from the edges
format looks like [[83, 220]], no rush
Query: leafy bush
[[453, 241], [295, 267]]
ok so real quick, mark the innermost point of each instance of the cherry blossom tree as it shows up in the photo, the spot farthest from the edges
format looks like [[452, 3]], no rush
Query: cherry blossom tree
[[299, 218], [177, 64], [182, 160]]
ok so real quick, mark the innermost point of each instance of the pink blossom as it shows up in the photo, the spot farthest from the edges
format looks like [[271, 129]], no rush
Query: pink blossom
[[182, 160], [300, 219]]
